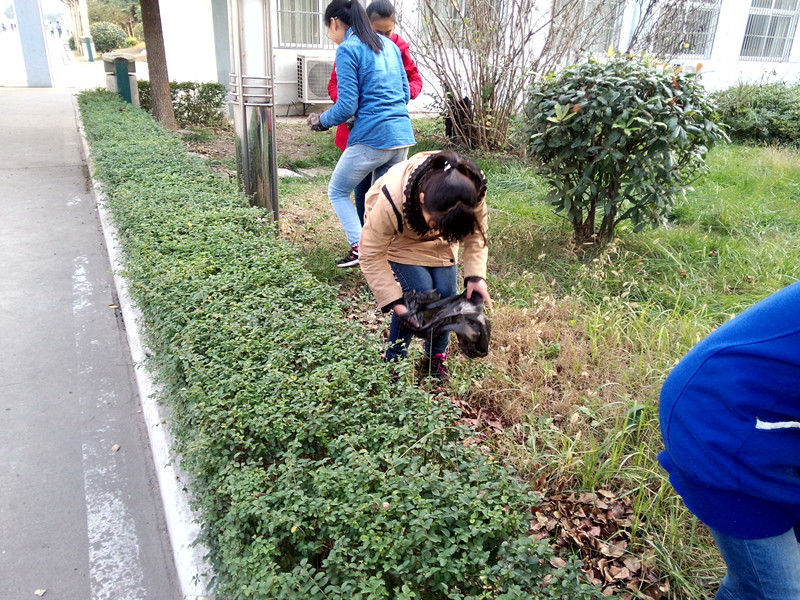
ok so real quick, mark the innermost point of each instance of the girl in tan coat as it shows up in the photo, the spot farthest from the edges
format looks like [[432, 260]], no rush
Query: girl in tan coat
[[416, 216]]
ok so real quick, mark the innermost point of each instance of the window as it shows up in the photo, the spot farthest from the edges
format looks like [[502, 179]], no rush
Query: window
[[607, 15], [586, 25], [444, 21], [770, 30], [687, 29], [300, 24]]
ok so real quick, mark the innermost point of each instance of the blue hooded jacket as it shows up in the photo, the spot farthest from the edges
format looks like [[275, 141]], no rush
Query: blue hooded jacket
[[730, 421], [374, 88]]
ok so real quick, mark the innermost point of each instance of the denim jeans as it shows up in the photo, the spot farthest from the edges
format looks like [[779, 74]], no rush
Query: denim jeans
[[356, 163], [420, 279], [360, 196], [764, 569]]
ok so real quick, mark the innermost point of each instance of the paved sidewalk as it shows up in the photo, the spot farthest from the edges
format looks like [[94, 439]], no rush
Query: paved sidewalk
[[80, 510]]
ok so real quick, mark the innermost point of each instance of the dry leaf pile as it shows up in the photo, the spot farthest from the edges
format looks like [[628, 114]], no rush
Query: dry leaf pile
[[597, 526]]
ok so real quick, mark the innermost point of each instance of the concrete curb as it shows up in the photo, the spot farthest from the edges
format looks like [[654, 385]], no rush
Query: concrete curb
[[182, 524]]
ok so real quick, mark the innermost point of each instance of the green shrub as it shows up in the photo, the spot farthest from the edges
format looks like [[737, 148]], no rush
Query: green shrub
[[138, 31], [71, 43], [315, 476], [762, 114], [107, 36], [131, 41], [619, 138], [193, 102]]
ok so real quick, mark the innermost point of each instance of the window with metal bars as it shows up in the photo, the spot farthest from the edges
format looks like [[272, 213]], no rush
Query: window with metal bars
[[687, 29], [300, 24], [770, 30], [444, 21], [591, 24]]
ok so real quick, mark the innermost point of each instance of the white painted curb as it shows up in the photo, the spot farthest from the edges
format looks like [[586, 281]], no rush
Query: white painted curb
[[193, 572]]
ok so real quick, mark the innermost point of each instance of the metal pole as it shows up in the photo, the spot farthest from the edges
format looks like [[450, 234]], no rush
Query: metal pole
[[252, 97]]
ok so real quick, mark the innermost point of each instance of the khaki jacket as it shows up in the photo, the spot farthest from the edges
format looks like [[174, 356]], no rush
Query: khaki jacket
[[386, 236]]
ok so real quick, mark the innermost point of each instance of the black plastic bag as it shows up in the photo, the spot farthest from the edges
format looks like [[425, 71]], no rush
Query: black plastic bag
[[429, 315]]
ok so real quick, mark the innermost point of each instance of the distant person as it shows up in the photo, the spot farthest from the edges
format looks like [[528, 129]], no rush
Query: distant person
[[58, 28], [373, 87], [730, 421], [417, 215], [382, 20]]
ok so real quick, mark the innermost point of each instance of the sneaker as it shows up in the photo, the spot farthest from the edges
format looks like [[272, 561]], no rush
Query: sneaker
[[351, 260], [436, 367]]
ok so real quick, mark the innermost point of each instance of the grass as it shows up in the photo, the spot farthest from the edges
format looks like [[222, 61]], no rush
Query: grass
[[582, 341]]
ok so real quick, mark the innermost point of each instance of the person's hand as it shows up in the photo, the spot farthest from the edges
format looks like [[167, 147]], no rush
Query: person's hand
[[400, 309], [481, 288], [314, 123], [402, 312]]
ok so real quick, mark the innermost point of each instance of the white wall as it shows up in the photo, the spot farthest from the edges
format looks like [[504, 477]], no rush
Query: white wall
[[189, 35], [724, 67], [189, 40]]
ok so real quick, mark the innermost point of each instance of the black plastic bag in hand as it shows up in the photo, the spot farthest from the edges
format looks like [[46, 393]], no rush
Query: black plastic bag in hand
[[429, 315], [314, 123]]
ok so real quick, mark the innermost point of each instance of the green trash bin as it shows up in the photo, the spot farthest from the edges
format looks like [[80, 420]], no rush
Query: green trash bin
[[120, 71]]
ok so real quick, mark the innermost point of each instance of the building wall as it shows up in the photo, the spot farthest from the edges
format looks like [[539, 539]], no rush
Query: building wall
[[188, 28], [197, 49], [724, 68]]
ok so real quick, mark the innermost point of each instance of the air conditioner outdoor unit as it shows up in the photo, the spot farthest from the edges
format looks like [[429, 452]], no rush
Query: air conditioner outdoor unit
[[313, 73]]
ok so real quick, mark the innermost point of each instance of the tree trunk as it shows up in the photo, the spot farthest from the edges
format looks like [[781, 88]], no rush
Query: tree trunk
[[583, 229], [606, 233], [157, 64]]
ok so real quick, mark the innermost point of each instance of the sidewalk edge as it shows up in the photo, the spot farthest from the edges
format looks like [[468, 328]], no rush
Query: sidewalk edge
[[183, 528]]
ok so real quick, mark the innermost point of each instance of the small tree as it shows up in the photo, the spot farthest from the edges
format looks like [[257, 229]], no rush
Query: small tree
[[483, 54], [107, 36], [619, 138]]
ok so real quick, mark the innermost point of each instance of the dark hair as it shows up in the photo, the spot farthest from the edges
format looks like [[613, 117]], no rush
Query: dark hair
[[380, 9], [353, 15], [453, 188]]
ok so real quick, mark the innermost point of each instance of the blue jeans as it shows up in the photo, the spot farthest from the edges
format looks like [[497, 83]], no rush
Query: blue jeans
[[420, 279], [360, 196], [356, 163], [764, 569]]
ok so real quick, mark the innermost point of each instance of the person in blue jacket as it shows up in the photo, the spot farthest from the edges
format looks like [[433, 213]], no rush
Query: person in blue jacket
[[373, 88], [730, 421]]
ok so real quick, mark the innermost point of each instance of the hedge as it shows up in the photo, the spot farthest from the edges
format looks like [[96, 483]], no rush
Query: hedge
[[313, 474], [767, 114], [194, 103]]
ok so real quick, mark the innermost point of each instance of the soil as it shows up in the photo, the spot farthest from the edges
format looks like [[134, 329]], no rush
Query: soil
[[218, 144]]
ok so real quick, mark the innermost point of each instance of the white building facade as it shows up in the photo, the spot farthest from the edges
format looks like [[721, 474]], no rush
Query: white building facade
[[735, 41]]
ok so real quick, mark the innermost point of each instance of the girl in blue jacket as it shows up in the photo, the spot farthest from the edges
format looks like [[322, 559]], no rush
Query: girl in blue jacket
[[730, 421], [373, 88]]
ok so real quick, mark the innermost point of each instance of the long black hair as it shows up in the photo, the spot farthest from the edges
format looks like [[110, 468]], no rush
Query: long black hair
[[454, 187], [352, 14]]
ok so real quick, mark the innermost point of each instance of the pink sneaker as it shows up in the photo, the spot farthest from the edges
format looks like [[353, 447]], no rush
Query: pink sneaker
[[435, 367]]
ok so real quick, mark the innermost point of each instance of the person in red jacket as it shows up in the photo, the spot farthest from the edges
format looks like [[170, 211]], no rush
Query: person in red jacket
[[382, 18]]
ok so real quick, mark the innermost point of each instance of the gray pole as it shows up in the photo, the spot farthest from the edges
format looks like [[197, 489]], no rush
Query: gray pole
[[252, 98]]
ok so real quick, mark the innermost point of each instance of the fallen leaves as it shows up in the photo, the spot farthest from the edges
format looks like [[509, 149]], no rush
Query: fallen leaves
[[596, 526]]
